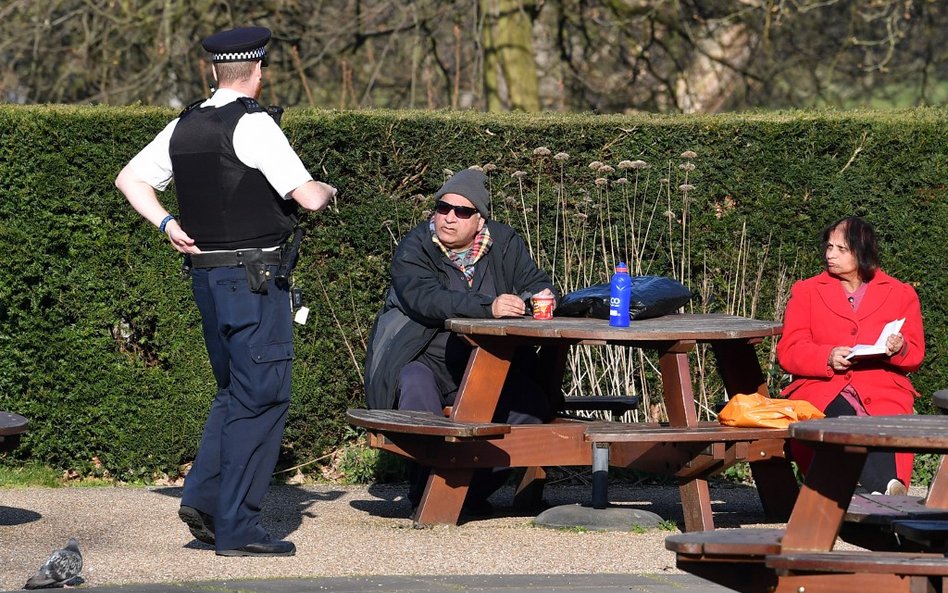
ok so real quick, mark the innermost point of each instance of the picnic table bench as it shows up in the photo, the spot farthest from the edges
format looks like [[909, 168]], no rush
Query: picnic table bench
[[12, 426], [801, 557], [456, 445]]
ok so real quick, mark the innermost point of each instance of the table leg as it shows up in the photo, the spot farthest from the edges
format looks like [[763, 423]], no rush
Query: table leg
[[677, 389], [552, 366], [483, 379], [444, 496], [696, 505], [476, 401], [529, 494], [680, 405], [938, 491], [818, 514], [739, 368], [741, 373]]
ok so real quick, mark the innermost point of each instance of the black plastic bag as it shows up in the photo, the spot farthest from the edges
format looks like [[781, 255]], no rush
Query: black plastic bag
[[652, 296]]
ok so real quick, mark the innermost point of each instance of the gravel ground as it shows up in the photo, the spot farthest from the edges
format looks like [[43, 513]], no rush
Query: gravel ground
[[133, 535]]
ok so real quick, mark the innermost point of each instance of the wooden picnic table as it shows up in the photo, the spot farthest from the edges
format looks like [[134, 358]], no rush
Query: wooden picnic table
[[802, 557], [12, 426], [841, 445], [701, 451]]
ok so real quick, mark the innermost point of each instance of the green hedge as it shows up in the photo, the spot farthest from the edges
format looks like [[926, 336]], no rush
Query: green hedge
[[100, 344]]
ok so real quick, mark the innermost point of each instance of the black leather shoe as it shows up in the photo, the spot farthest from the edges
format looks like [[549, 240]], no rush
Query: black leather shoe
[[200, 523], [265, 548]]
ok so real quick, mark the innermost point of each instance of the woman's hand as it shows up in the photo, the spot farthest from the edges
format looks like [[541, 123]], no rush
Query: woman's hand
[[837, 358], [894, 344]]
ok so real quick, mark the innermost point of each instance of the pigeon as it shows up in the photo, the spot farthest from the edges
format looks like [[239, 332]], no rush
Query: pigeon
[[61, 567]]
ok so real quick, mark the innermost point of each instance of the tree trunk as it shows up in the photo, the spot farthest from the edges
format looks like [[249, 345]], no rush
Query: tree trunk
[[510, 71], [710, 80]]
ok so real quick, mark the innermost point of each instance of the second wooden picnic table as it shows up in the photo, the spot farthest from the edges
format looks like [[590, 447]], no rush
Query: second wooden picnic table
[[802, 557], [684, 447]]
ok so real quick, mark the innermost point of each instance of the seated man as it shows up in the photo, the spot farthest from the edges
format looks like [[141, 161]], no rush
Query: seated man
[[456, 264]]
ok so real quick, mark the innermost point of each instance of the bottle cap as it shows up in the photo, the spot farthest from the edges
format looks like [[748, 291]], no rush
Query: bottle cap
[[621, 267]]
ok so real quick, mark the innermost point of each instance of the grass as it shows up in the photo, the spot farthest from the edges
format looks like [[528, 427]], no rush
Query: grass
[[32, 474]]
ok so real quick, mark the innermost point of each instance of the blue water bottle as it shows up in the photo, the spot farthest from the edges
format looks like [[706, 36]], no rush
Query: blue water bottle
[[620, 293]]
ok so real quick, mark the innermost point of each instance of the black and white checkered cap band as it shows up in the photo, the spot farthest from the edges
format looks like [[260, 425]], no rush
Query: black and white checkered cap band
[[241, 56]]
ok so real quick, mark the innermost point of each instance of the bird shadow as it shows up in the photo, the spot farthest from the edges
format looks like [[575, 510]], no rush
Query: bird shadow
[[283, 508], [10, 516]]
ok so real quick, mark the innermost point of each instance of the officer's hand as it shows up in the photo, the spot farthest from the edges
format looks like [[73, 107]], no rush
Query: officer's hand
[[180, 239], [508, 305]]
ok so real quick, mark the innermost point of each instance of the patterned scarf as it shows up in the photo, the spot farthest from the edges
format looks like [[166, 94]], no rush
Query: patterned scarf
[[465, 260]]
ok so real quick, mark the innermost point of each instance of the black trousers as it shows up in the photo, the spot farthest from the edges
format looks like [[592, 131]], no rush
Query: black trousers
[[249, 338], [880, 465]]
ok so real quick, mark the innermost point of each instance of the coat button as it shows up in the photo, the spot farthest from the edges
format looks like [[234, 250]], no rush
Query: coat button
[[849, 374], [867, 401], [853, 332]]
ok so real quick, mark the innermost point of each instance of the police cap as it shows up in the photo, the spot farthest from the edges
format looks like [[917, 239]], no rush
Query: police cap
[[243, 44]]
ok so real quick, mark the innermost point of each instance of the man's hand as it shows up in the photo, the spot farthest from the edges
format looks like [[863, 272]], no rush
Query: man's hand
[[837, 358], [180, 239], [314, 195], [508, 305]]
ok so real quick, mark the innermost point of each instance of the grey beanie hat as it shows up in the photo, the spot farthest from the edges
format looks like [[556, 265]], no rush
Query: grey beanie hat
[[471, 184]]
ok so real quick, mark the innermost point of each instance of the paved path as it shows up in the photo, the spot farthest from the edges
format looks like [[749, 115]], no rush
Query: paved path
[[554, 583], [349, 538]]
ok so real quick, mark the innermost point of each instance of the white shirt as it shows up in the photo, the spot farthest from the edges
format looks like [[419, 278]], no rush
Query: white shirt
[[258, 142]]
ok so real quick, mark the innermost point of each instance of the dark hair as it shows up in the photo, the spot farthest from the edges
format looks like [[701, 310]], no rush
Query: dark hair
[[861, 239]]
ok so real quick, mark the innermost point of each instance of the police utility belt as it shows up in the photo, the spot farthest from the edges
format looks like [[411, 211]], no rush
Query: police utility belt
[[256, 262]]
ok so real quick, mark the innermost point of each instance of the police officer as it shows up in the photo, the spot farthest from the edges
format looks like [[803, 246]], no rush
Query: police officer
[[239, 184]]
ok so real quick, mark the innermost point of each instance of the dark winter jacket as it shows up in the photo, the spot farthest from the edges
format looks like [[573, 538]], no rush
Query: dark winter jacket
[[419, 300]]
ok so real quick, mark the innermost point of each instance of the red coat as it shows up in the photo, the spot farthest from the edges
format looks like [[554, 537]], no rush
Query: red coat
[[819, 318]]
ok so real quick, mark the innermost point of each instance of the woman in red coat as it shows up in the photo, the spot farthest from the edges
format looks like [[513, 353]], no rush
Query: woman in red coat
[[826, 316]]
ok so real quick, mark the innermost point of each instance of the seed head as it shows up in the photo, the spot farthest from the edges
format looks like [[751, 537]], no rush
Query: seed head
[[561, 156], [541, 151], [687, 166], [689, 154], [601, 181], [489, 167], [625, 164], [686, 187], [620, 181], [639, 165], [518, 174], [595, 165], [605, 170]]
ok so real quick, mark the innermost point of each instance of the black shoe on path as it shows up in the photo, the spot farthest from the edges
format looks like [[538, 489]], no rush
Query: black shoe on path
[[200, 523], [264, 548]]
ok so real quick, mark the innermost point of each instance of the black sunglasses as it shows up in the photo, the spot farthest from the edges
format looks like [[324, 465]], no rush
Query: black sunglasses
[[442, 208]]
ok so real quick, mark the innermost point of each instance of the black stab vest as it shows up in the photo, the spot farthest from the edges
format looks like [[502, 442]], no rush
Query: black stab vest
[[223, 203]]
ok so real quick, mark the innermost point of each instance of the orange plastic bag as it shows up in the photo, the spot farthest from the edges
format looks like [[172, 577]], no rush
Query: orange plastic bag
[[755, 410]]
